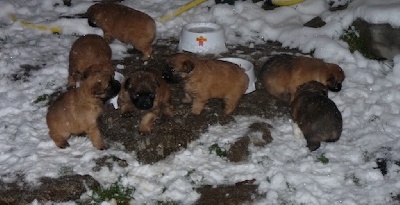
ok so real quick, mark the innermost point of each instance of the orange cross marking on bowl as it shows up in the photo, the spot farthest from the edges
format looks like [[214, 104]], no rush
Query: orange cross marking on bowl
[[201, 40]]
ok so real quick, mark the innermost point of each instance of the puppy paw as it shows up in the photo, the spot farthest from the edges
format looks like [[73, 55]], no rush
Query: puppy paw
[[187, 98], [100, 145], [196, 111], [104, 147], [144, 132], [145, 57], [145, 129], [63, 145], [312, 146], [297, 131], [169, 111]]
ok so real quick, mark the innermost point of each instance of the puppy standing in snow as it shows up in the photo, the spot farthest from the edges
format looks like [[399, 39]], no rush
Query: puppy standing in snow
[[282, 74], [76, 111], [146, 92], [125, 24], [316, 115], [205, 79]]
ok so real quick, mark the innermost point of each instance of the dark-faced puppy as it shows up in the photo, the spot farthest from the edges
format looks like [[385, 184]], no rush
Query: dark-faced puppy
[[125, 24], [169, 75], [88, 54], [282, 74], [76, 111], [147, 92], [205, 79], [316, 115]]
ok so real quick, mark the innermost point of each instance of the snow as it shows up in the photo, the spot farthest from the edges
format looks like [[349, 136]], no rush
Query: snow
[[285, 170]]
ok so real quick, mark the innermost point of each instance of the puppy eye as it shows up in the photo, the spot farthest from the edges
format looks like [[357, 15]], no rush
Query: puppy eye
[[85, 75]]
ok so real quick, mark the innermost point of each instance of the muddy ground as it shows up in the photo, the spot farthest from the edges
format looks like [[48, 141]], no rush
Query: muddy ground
[[169, 134]]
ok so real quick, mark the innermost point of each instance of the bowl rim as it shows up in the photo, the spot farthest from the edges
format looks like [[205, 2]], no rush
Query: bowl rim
[[252, 77], [216, 27]]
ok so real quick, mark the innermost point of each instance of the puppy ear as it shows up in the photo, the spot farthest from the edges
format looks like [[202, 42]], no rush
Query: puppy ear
[[188, 66]]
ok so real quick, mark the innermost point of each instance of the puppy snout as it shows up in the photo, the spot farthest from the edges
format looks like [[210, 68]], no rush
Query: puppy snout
[[91, 22], [336, 88], [113, 88], [143, 100], [169, 75]]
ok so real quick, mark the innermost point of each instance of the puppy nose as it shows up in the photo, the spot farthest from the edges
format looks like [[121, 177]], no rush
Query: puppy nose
[[144, 101], [337, 87], [168, 75], [114, 88]]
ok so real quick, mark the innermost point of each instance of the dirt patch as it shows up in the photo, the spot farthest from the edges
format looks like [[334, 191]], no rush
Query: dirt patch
[[62, 189], [239, 193], [169, 134]]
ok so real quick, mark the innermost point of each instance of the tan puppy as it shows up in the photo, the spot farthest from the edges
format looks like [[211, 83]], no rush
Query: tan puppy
[[205, 79], [145, 91], [88, 54], [282, 74], [125, 24], [76, 111], [316, 115]]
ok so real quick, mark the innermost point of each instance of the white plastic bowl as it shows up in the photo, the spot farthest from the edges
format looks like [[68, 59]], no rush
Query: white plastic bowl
[[202, 38], [249, 69]]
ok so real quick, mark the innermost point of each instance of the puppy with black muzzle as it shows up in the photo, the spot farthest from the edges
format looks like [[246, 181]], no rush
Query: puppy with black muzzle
[[205, 79], [125, 24], [282, 74], [89, 54], [316, 115], [146, 92], [76, 111]]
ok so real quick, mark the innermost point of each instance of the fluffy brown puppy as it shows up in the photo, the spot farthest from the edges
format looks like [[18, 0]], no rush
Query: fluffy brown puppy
[[125, 24], [88, 54], [76, 111], [205, 79], [146, 92], [316, 115], [282, 74]]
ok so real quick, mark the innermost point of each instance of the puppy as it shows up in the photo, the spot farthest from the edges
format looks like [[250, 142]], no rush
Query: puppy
[[125, 24], [76, 111], [316, 115], [147, 92], [282, 74], [205, 79], [88, 54]]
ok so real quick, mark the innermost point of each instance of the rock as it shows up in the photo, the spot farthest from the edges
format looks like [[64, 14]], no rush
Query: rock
[[382, 40]]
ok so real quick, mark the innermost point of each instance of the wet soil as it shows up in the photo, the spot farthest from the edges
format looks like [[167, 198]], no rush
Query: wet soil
[[168, 134], [172, 134]]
